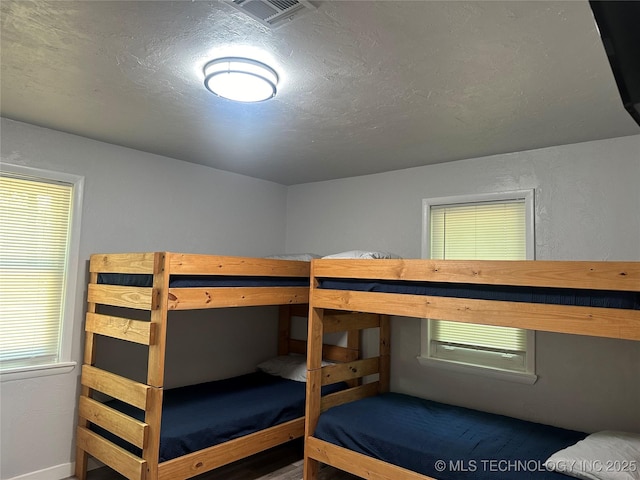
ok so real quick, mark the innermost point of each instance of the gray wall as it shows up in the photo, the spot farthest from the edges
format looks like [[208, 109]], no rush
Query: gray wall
[[587, 208], [134, 202]]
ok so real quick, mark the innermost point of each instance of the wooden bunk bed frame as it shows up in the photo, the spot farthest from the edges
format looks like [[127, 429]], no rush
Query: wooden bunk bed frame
[[159, 300], [581, 320]]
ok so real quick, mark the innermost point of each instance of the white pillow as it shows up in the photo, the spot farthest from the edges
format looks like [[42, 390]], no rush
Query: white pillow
[[603, 455], [304, 257], [362, 254], [292, 367]]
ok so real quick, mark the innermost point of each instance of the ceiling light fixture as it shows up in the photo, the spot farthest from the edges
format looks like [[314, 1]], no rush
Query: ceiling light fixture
[[240, 79]]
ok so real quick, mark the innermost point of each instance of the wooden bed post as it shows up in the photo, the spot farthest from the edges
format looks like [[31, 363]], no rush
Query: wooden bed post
[[155, 372], [159, 310], [314, 385], [385, 353], [89, 359], [353, 344]]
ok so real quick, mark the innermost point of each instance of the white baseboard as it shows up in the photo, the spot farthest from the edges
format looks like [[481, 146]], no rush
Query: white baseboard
[[52, 473], [58, 472]]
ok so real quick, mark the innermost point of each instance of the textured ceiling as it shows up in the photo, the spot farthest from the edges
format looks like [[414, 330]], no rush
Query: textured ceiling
[[367, 86]]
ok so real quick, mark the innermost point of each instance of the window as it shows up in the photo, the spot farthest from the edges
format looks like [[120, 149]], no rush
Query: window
[[40, 222], [483, 227]]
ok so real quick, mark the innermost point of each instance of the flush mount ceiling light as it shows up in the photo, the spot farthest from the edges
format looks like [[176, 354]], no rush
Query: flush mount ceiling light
[[240, 79]]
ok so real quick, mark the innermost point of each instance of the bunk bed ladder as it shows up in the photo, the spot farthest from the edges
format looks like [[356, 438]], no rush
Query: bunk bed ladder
[[145, 435], [353, 370]]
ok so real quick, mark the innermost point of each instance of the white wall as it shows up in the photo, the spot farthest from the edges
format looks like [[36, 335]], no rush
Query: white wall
[[587, 208], [135, 201]]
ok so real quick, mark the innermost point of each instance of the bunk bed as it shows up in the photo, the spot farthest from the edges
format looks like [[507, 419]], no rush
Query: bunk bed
[[377, 434], [142, 430]]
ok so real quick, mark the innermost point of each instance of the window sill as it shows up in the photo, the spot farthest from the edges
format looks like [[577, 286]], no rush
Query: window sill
[[509, 376], [23, 373]]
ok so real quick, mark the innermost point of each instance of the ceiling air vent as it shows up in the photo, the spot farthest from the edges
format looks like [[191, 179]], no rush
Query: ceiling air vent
[[273, 13]]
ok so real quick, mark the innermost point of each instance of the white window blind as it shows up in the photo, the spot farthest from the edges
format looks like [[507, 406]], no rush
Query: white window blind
[[480, 336], [479, 231], [490, 231], [35, 220]]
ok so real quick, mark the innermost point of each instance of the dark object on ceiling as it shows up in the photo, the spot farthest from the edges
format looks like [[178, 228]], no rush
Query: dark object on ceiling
[[619, 26]]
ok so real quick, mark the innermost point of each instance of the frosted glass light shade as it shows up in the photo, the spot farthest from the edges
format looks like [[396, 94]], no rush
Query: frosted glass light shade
[[240, 79]]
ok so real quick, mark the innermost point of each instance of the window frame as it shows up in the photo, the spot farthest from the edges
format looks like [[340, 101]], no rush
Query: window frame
[[528, 376], [64, 364]]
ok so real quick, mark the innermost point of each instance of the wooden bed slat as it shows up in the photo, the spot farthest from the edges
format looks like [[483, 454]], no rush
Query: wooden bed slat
[[599, 322], [337, 353], [219, 455], [195, 264], [133, 393], [297, 346], [124, 426], [598, 275], [349, 395], [140, 298], [123, 328], [333, 353], [357, 463], [125, 463], [348, 371], [198, 298], [137, 263], [335, 322]]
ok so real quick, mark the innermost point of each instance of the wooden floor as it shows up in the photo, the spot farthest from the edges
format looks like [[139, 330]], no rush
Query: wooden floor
[[279, 463]]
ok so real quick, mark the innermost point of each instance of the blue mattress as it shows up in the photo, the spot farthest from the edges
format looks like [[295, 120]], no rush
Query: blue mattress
[[191, 281], [203, 415], [445, 441], [557, 296]]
